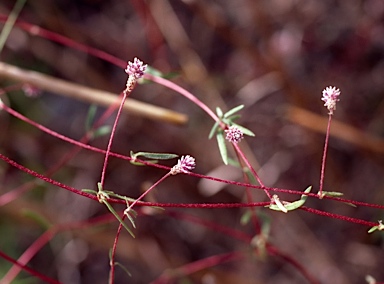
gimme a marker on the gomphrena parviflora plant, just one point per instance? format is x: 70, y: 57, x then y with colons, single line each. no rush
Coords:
x: 182, y: 203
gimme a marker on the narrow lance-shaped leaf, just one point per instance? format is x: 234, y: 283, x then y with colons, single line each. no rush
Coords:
x: 245, y: 131
x: 118, y: 264
x: 246, y: 217
x: 222, y: 147
x: 90, y: 117
x: 110, y: 208
x: 102, y: 130
x: 130, y: 215
x: 157, y: 156
x: 333, y: 193
x: 292, y: 205
x: 38, y: 218
x: 231, y: 119
x: 233, y: 111
x: 374, y: 228
x: 219, y: 112
x: 123, y: 268
x: 213, y: 130
x: 111, y: 193
x: 250, y: 175
x: 379, y: 227
x: 157, y: 73
x: 91, y: 191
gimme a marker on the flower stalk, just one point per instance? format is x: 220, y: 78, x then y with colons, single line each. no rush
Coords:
x: 330, y: 98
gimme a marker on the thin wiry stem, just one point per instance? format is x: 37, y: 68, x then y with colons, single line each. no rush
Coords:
x: 112, y: 260
x: 238, y: 150
x: 324, y: 156
x: 185, y: 93
x: 147, y: 191
x: 111, y: 139
x: 42, y: 277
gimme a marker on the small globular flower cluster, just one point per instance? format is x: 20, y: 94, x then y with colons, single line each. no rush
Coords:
x: 184, y: 165
x: 135, y: 70
x: 234, y: 134
x: 330, y: 97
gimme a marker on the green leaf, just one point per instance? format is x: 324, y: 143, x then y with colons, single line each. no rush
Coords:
x: 110, y: 208
x: 118, y: 264
x: 157, y: 156
x: 111, y: 193
x: 91, y: 191
x: 233, y: 111
x: 141, y: 164
x: 379, y: 227
x: 246, y: 131
x: 222, y: 147
x: 6, y: 30
x: 130, y: 215
x: 219, y: 112
x: 102, y: 130
x: 231, y: 119
x: 158, y: 73
x: 38, y: 218
x: 233, y: 162
x: 250, y: 175
x: 124, y: 268
x: 213, y: 130
x: 90, y: 117
x: 293, y: 205
x: 246, y: 217
x: 110, y: 254
x: 374, y: 228
x: 153, y: 71
x: 332, y: 193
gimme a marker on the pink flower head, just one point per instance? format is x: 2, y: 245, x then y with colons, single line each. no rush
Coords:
x: 184, y: 165
x: 136, y: 69
x: 330, y: 97
x: 234, y: 134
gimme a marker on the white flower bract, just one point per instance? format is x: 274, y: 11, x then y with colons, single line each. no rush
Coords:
x: 330, y: 97
x: 234, y: 134
x: 184, y: 165
x: 136, y: 68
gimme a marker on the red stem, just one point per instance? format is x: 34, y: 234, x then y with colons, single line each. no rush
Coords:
x: 44, y: 239
x: 52, y: 36
x: 185, y: 93
x: 274, y: 251
x: 29, y: 270
x: 148, y: 190
x: 113, y: 253
x: 231, y: 205
x: 254, y: 218
x: 238, y: 150
x: 107, y: 153
x: 337, y: 216
x: 239, y: 235
x: 28, y: 254
x: 324, y: 156
x: 198, y: 266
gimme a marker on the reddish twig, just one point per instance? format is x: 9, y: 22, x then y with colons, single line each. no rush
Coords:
x: 27, y: 269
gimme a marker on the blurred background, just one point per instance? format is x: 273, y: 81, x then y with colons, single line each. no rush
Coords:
x: 275, y: 57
